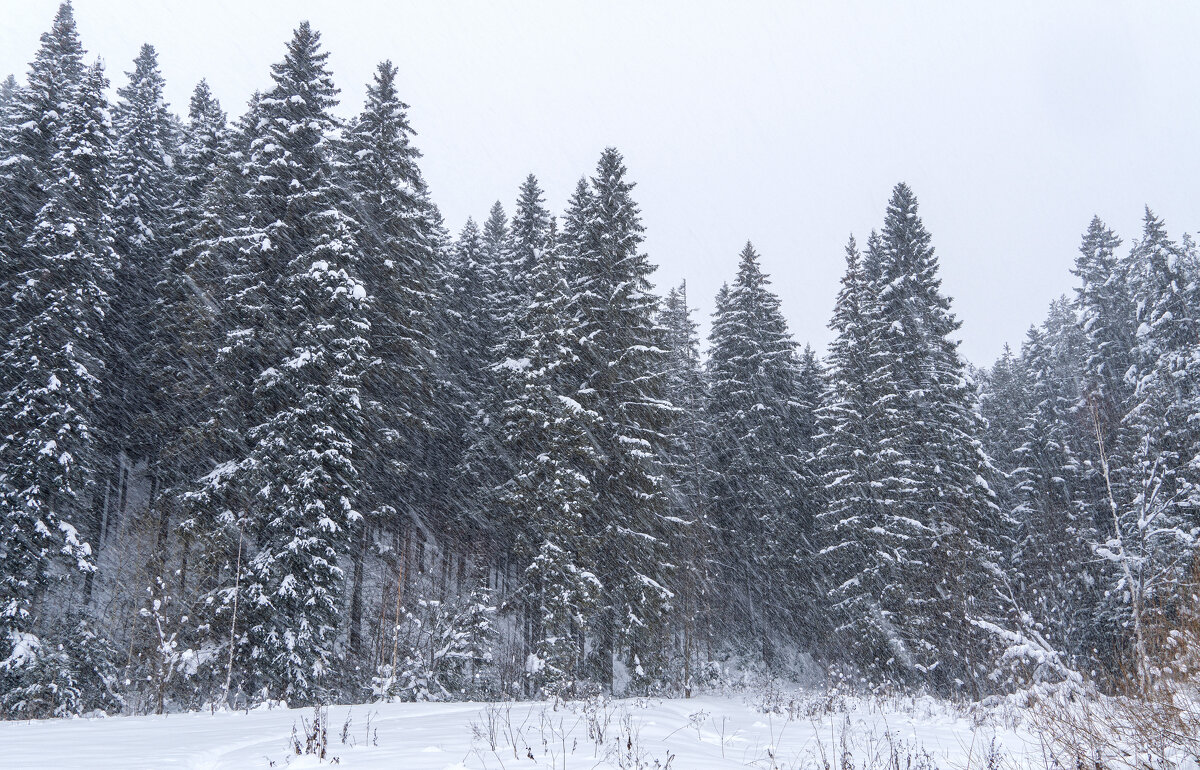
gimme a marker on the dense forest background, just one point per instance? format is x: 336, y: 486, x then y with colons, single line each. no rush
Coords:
x: 268, y: 430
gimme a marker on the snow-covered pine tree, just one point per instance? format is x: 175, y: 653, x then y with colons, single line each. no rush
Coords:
x: 759, y: 447
x: 32, y: 125
x: 810, y: 386
x: 226, y: 277
x: 300, y: 317
x: 938, y: 503
x: 54, y: 358
x: 443, y: 457
x: 1152, y: 521
x: 184, y: 316
x: 1051, y: 560
x: 487, y: 312
x: 399, y: 268
x: 462, y: 343
x: 178, y: 364
x: 851, y: 533
x: 202, y: 334
x: 530, y: 237
x: 37, y: 115
x: 686, y: 389
x: 145, y: 180
x: 1165, y: 371
x: 552, y: 492
x: 146, y: 186
x: 911, y: 530
x: 1002, y: 404
x: 527, y: 357
x: 810, y: 609
x: 618, y: 371
x: 469, y: 325
x: 1107, y: 318
x: 203, y: 145
x: 546, y: 436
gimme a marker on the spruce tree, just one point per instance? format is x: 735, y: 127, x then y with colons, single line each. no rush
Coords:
x: 34, y: 128
x: 145, y: 183
x: 54, y: 358
x: 1107, y: 319
x: 196, y: 307
x: 809, y: 610
x: 300, y: 321
x: 549, y: 495
x: 688, y: 472
x: 399, y: 267
x: 617, y: 371
x: 530, y: 237
x: 32, y: 125
x: 1152, y: 520
x: 759, y: 446
x: 1164, y: 372
x: 851, y: 520
x: 488, y: 330
x: 526, y: 358
x: 1051, y: 558
x: 913, y: 536
x: 146, y: 188
x: 178, y: 364
x: 934, y: 482
x: 1003, y: 407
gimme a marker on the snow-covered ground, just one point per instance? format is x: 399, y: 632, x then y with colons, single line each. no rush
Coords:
x: 696, y: 734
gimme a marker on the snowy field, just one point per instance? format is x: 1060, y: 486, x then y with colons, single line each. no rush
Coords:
x: 696, y: 734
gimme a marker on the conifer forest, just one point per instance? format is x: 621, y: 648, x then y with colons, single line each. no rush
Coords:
x: 272, y: 430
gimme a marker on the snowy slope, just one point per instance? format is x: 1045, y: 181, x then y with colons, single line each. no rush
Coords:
x: 696, y: 734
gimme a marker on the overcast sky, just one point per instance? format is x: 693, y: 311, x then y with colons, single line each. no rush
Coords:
x: 784, y: 123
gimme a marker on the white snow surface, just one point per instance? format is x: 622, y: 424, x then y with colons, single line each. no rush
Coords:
x: 701, y: 733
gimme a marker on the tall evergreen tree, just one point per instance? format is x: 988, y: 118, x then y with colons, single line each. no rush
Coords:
x: 1003, y: 406
x: 1055, y: 526
x: 196, y: 309
x: 1154, y: 518
x: 1107, y: 318
x: 546, y: 434
x: 32, y: 126
x: 852, y: 536
x: 531, y: 323
x: 399, y: 267
x: 688, y: 471
x: 177, y: 362
x: 36, y: 125
x: 54, y: 358
x: 300, y: 318
x: 917, y: 557
x: 145, y: 183
x: 146, y: 188
x: 618, y: 371
x: 934, y: 486
x: 758, y: 487
x: 1164, y: 372
x: 487, y: 306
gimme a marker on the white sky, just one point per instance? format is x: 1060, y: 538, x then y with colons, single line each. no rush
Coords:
x: 786, y: 123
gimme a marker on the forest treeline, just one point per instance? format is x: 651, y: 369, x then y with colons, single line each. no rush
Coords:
x: 268, y: 431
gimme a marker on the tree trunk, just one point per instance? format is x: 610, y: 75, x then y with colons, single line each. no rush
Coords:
x: 356, y: 594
